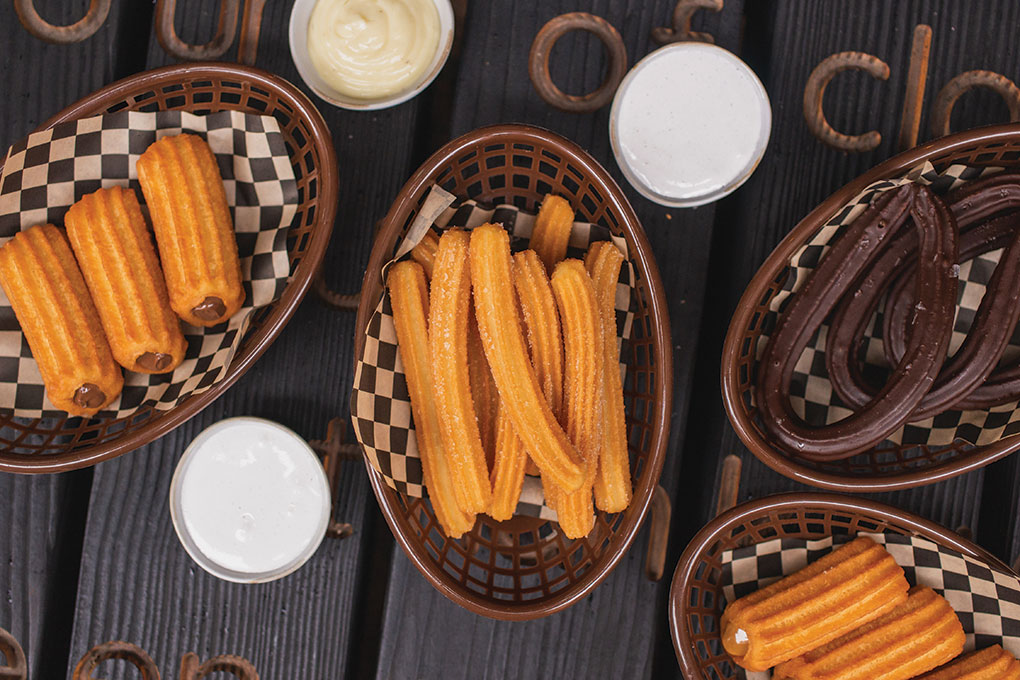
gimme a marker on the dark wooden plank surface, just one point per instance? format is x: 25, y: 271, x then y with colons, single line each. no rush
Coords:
x: 354, y: 611
x: 42, y: 518
x: 137, y: 583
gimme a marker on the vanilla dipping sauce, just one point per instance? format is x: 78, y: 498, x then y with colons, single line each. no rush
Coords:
x: 252, y: 498
x: 372, y: 48
x: 689, y: 124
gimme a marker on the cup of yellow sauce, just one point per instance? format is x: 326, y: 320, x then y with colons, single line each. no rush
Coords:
x: 370, y: 54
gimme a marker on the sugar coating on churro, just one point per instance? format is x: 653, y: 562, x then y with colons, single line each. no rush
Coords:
x: 551, y: 236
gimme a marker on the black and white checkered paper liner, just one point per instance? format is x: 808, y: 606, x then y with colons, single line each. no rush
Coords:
x: 48, y: 171
x: 380, y: 405
x: 986, y: 600
x: 811, y: 394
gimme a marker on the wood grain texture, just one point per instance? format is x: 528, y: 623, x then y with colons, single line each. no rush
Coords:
x: 137, y: 583
x: 612, y: 633
x: 42, y: 518
x: 799, y: 171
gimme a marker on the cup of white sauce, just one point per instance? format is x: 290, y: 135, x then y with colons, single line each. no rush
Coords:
x: 370, y: 54
x: 689, y: 124
x: 249, y: 500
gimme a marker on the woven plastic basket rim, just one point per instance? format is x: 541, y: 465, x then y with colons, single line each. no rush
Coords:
x: 663, y: 392
x: 776, y: 261
x: 166, y: 421
x: 722, y: 525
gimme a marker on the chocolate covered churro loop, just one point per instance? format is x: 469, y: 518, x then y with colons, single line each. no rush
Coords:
x: 993, y: 324
x: 834, y: 276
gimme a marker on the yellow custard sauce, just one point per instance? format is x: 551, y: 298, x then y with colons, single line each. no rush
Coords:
x: 369, y: 49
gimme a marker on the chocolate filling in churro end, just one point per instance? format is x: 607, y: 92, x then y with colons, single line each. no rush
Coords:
x: 89, y: 395
x: 209, y: 309
x: 154, y: 361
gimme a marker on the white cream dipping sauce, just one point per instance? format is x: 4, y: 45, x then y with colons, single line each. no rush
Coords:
x: 372, y: 48
x: 689, y: 124
x: 252, y: 498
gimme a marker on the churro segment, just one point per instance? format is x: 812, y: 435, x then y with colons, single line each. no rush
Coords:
x: 505, y: 349
x: 551, y: 236
x: 508, y: 469
x: 613, y: 489
x: 410, y: 300
x: 194, y: 231
x: 449, y: 317
x: 826, y: 599
x: 115, y: 252
x: 992, y: 663
x: 484, y: 394
x: 583, y: 398
x: 917, y: 636
x: 425, y: 252
x: 49, y: 297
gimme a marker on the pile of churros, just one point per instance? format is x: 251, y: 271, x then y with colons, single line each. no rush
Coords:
x: 512, y: 367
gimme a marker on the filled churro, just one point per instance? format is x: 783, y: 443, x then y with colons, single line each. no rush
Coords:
x: 410, y: 300
x: 115, y: 252
x: 826, y: 599
x: 425, y: 252
x: 552, y: 230
x: 613, y: 488
x: 519, y: 389
x: 917, y: 636
x: 992, y: 663
x: 194, y: 231
x: 583, y: 393
x: 49, y: 297
x: 450, y: 302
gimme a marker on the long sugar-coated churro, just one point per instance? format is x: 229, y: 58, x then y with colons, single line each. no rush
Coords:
x: 194, y: 232
x: 917, y: 636
x: 506, y: 351
x: 552, y: 230
x: 542, y: 324
x: 828, y: 598
x: 991, y: 663
x: 484, y: 394
x: 450, y: 302
x: 410, y: 300
x: 53, y: 306
x: 613, y: 483
x: 583, y: 398
x: 425, y: 252
x: 115, y: 252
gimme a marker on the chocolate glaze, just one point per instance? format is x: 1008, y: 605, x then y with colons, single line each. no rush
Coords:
x: 972, y: 205
x: 210, y: 309
x: 154, y: 361
x: 993, y: 324
x: 89, y: 395
x: 859, y: 246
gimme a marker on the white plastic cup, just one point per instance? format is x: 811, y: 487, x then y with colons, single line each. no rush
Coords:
x: 689, y: 124
x: 249, y: 500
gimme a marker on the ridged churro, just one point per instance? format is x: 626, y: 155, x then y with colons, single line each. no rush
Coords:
x: 49, y: 297
x: 583, y: 393
x: 449, y: 316
x: 507, y: 469
x: 917, y: 636
x: 505, y: 349
x: 613, y: 488
x: 542, y: 325
x: 551, y: 235
x: 194, y: 231
x: 410, y: 300
x: 826, y: 599
x: 484, y: 394
x: 115, y: 252
x: 424, y: 253
x: 992, y: 663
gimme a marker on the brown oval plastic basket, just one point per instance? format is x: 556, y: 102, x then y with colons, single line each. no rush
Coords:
x: 696, y: 598
x: 886, y: 467
x: 524, y: 568
x: 58, y: 444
